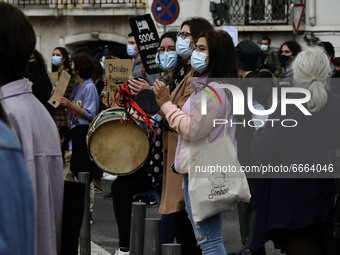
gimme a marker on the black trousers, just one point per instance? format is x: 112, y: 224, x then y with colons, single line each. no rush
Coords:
x: 316, y: 239
x: 123, y: 189
x: 73, y: 212
x: 80, y: 161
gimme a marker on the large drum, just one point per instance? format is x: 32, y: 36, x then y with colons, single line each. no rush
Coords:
x: 117, y: 148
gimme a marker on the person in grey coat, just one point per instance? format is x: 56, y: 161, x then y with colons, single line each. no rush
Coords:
x: 34, y: 127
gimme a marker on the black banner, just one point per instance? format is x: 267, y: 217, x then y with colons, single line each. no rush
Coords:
x: 146, y: 36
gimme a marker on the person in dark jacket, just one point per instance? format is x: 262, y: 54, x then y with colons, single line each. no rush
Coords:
x: 249, y: 60
x: 37, y: 74
x: 295, y: 208
x: 335, y: 81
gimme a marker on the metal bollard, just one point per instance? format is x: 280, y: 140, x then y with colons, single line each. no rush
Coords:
x: 85, y: 231
x: 171, y: 249
x: 152, y: 236
x: 137, y: 228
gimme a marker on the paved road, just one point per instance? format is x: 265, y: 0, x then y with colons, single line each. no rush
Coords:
x: 104, y: 231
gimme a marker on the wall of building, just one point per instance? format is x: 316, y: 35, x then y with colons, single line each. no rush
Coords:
x: 111, y: 24
x: 73, y: 27
x: 326, y: 27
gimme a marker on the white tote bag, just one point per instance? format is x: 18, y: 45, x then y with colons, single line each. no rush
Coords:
x: 215, y: 181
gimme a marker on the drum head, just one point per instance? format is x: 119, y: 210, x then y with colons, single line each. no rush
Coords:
x: 119, y: 148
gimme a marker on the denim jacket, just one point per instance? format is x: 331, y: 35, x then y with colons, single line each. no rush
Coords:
x: 17, y: 218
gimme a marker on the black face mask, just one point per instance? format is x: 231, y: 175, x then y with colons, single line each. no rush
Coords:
x: 285, y: 60
x: 32, y: 67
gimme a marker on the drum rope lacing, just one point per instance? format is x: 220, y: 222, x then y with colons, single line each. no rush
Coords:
x: 125, y: 99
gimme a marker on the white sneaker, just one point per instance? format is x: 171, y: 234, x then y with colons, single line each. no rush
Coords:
x: 109, y: 177
x: 119, y: 252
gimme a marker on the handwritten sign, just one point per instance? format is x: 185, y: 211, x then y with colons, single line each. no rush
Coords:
x: 53, y: 77
x: 60, y: 89
x: 117, y: 71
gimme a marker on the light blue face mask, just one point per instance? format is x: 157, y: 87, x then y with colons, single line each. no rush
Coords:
x: 198, y: 61
x: 56, y: 60
x: 130, y: 50
x: 183, y: 47
x: 264, y: 47
x: 167, y: 61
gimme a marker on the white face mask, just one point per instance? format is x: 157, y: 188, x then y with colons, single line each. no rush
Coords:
x: 198, y: 61
x: 130, y: 50
x: 183, y: 47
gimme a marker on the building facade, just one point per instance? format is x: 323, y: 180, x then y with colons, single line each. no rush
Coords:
x: 91, y: 23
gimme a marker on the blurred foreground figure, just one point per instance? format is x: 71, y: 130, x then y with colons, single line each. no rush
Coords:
x: 296, y: 210
x: 34, y: 127
x: 16, y: 197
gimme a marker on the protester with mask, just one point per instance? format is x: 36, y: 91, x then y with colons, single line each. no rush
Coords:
x: 166, y: 57
x: 214, y: 57
x: 124, y: 188
x: 248, y: 60
x: 272, y: 57
x: 172, y: 193
x: 172, y: 201
x: 288, y: 51
x: 143, y: 179
x: 172, y: 64
x: 41, y: 83
x: 167, y: 60
x: 82, y: 110
x: 60, y: 60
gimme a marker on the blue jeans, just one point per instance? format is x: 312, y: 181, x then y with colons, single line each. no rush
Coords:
x: 209, y: 231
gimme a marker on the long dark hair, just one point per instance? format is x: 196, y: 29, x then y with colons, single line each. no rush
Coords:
x: 65, y: 56
x: 17, y: 42
x: 40, y: 66
x: 329, y: 48
x: 222, y: 55
x: 197, y: 25
x: 293, y: 46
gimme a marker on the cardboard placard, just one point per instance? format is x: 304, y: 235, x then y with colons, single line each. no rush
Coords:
x: 104, y: 97
x: 53, y: 77
x: 110, y: 98
x: 60, y: 89
x: 146, y: 36
x: 117, y: 71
